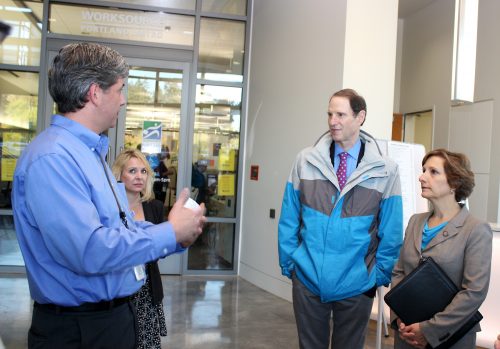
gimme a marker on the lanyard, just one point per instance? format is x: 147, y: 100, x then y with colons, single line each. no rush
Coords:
x: 123, y: 216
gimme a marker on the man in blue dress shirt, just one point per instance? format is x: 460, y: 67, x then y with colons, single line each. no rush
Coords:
x: 84, y: 253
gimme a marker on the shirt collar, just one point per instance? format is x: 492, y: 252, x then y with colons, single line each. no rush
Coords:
x: 95, y: 142
x: 353, y: 152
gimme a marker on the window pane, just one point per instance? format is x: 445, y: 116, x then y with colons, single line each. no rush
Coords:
x: 22, y: 46
x: 154, y: 104
x: 10, y: 254
x: 175, y: 4
x: 214, y: 249
x: 232, y: 7
x: 157, y: 27
x: 18, y: 110
x: 221, y: 50
x: 216, y: 149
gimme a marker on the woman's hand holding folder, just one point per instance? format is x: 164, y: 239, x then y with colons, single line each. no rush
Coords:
x: 412, y: 335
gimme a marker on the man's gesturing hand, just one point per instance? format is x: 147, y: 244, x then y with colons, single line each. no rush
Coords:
x: 187, y: 222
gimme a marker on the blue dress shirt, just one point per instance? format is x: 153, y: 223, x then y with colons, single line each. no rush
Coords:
x: 352, y: 158
x: 75, y: 246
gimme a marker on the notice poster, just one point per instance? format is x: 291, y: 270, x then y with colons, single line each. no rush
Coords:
x: 151, y: 137
x: 227, y: 159
x: 225, y: 185
x: 8, y: 166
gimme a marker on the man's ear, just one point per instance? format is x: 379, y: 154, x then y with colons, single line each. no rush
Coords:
x: 361, y: 115
x: 93, y: 94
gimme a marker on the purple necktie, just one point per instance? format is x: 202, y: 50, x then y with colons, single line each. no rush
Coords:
x: 342, y: 170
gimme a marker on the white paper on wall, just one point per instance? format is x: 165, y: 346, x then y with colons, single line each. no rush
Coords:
x: 409, y: 157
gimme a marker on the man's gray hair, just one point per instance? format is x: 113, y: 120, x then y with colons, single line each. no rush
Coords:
x: 77, y: 67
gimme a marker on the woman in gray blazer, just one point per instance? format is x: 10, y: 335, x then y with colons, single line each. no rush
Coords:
x: 460, y: 243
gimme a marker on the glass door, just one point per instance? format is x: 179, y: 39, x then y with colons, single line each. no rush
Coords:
x: 214, y: 176
x: 155, y: 122
x: 18, y: 110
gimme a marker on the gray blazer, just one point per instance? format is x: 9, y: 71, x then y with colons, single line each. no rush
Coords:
x: 463, y: 250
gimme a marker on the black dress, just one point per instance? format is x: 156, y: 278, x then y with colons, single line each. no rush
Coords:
x: 148, y: 300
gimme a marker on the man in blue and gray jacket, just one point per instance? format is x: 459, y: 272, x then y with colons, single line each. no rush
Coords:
x: 340, y: 229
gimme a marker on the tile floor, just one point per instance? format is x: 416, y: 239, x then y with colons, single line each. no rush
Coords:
x: 202, y: 312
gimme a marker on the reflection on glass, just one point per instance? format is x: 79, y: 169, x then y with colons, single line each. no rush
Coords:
x: 152, y: 124
x: 174, y: 4
x: 214, y: 249
x: 222, y: 50
x: 231, y: 7
x: 10, y: 254
x: 22, y: 46
x: 157, y: 27
x: 216, y: 149
x: 18, y: 109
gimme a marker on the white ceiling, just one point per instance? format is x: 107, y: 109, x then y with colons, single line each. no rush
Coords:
x: 408, y: 7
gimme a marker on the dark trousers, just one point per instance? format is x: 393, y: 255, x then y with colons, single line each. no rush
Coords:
x: 107, y: 329
x: 350, y: 319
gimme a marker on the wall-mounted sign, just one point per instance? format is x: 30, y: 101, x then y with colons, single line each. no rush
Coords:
x: 124, y: 24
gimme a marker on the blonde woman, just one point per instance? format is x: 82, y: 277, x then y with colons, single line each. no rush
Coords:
x: 133, y: 170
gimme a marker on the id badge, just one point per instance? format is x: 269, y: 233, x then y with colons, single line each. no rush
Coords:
x: 140, y: 272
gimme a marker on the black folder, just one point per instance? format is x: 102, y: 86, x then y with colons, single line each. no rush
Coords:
x: 425, y: 291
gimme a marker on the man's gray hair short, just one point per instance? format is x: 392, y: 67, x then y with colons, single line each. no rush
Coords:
x: 77, y: 67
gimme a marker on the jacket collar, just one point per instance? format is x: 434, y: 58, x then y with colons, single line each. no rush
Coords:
x: 451, y: 229
x: 319, y: 156
x: 321, y: 150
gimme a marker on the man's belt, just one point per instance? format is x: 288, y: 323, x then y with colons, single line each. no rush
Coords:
x: 85, y: 307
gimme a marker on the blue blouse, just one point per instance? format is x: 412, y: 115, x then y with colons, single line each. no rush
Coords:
x: 429, y: 233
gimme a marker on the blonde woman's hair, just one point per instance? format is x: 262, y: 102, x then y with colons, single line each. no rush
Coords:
x: 147, y: 194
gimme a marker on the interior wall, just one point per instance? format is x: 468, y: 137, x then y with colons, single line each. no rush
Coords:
x: 369, y: 62
x: 470, y: 133
x: 399, y: 62
x: 426, y: 76
x: 294, y: 69
x: 425, y: 82
x: 423, y: 130
x: 427, y: 64
x: 409, y: 130
x: 296, y: 64
x: 488, y: 88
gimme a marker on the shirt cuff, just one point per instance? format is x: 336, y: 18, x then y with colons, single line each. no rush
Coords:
x: 164, y: 239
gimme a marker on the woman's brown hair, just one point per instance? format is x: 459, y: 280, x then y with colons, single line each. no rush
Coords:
x: 458, y: 172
